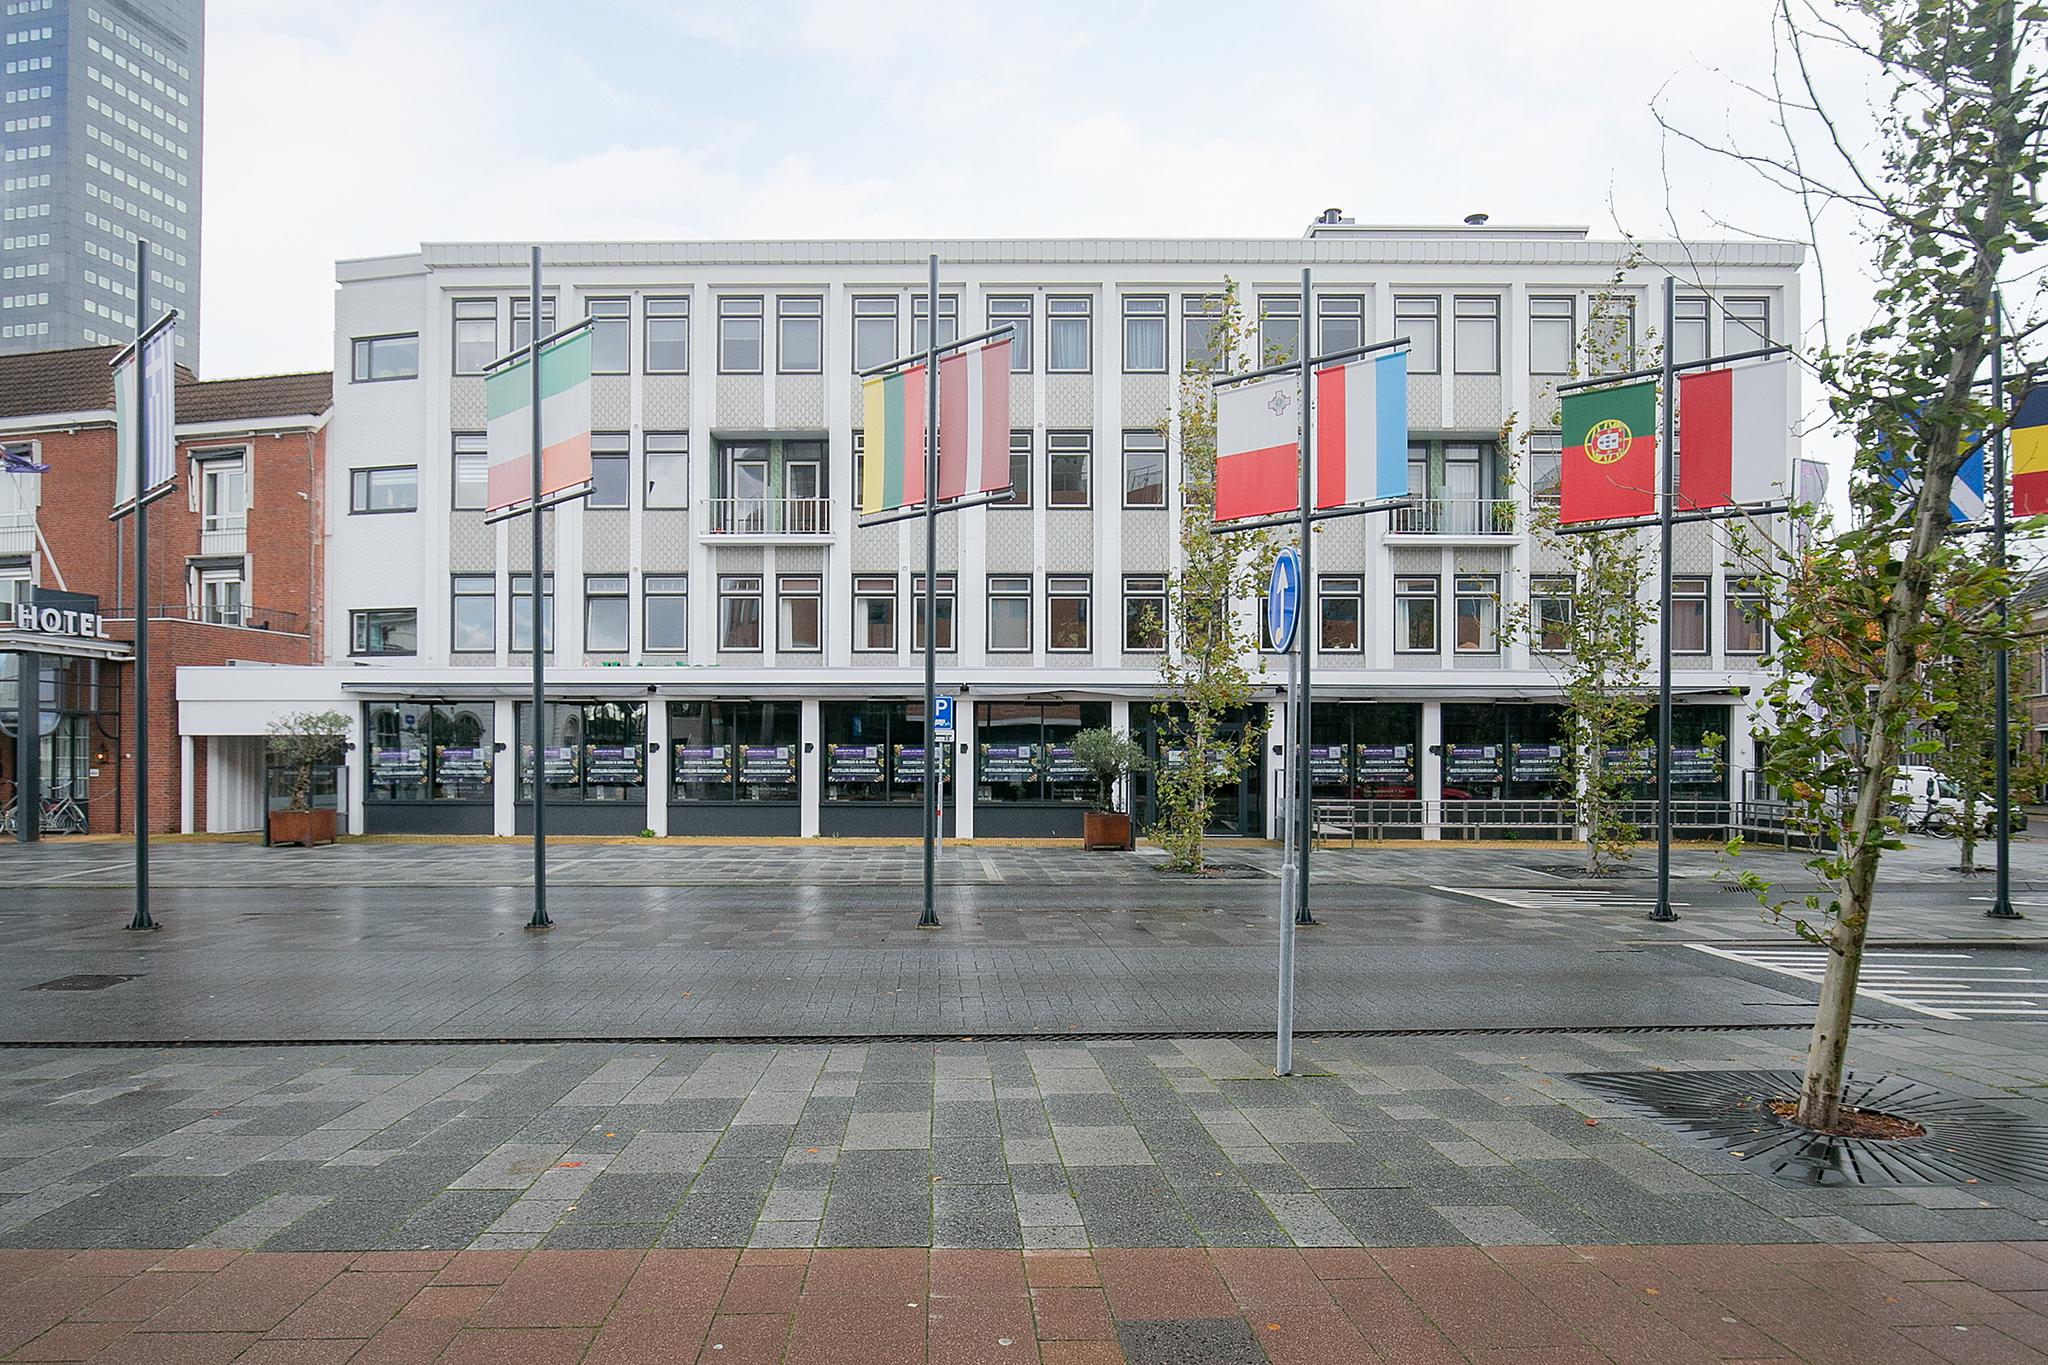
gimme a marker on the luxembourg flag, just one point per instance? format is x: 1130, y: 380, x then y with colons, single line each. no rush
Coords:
x: 1362, y: 430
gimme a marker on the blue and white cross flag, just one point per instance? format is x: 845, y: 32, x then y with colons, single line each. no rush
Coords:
x: 1965, y: 496
x: 157, y: 428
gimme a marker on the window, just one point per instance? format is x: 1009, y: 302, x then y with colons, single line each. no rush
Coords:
x: 1340, y: 323
x: 1611, y: 335
x: 611, y: 478
x: 668, y: 335
x: 799, y: 613
x: 522, y: 320
x: 476, y: 334
x: 223, y: 491
x: 522, y: 613
x: 1066, y: 468
x: 667, y: 458
x: 735, y: 751
x: 1009, y: 614
x: 1688, y: 329
x: 1145, y: 613
x: 1066, y: 614
x: 1477, y: 607
x: 1279, y: 328
x: 431, y: 751
x: 1553, y: 325
x: 396, y: 489
x: 1416, y: 318
x: 1475, y: 335
x: 1025, y: 751
x: 943, y: 636
x: 1069, y: 333
x: 1550, y: 606
x: 471, y: 469
x: 607, y: 612
x: 593, y: 752
x: 739, y: 611
x: 473, y: 613
x: 392, y: 357
x: 1742, y: 623
x: 1747, y: 326
x: 800, y: 335
x: 1144, y: 469
x: 1020, y: 470
x: 875, y: 751
x: 949, y: 321
x: 739, y: 336
x: 874, y: 331
x: 1201, y: 327
x: 389, y: 630
x: 1014, y: 309
x: 221, y: 596
x: 1688, y: 616
x: 665, y: 612
x: 874, y: 613
x: 1415, y: 615
x: 1144, y: 334
x: 1546, y: 467
x: 611, y: 334
x: 1342, y: 608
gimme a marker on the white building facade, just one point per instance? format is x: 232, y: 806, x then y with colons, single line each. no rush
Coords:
x: 733, y: 655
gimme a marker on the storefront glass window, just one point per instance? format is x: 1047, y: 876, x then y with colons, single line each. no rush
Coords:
x: 874, y: 751
x: 431, y: 751
x: 734, y: 750
x: 595, y: 751
x: 1024, y: 751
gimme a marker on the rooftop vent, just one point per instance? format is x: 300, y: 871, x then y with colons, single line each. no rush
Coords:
x: 1475, y: 220
x: 1333, y: 217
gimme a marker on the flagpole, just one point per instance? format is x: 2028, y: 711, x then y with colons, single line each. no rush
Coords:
x: 1663, y: 914
x: 1305, y: 778
x: 540, y: 918
x: 140, y: 423
x: 2001, y: 901
x: 930, y: 918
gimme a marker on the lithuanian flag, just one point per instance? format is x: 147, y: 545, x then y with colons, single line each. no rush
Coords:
x: 892, y: 426
x: 1610, y: 454
x: 2030, y: 454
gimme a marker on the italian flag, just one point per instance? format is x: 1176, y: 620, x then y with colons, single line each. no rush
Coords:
x: 1610, y: 454
x: 974, y: 430
x: 2030, y: 454
x: 564, y: 424
x: 1733, y: 426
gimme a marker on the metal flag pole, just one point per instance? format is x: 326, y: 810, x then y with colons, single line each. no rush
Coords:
x: 1666, y: 497
x: 930, y: 918
x: 139, y: 423
x: 1305, y: 621
x: 540, y: 918
x: 2001, y: 900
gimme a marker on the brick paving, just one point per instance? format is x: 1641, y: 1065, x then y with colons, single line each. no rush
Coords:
x: 1906, y: 1304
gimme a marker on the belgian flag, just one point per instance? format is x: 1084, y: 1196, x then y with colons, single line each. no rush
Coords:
x: 2030, y: 454
x: 1610, y: 454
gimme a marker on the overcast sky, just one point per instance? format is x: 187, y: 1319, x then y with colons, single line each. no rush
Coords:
x: 335, y: 131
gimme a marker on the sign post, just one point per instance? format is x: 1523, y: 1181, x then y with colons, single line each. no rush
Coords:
x: 1283, y: 612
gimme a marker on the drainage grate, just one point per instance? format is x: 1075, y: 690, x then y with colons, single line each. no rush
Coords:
x: 1967, y: 1141
x: 81, y: 983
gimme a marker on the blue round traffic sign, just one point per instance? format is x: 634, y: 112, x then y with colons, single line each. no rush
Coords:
x: 1283, y: 598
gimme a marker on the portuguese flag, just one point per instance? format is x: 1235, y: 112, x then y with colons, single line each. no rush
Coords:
x: 1610, y: 453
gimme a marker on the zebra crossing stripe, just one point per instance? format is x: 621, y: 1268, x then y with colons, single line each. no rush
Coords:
x: 1942, y: 985
x: 1544, y: 898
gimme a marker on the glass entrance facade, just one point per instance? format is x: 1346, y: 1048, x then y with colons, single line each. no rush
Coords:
x: 874, y: 768
x: 735, y: 767
x: 429, y: 767
x: 1026, y: 783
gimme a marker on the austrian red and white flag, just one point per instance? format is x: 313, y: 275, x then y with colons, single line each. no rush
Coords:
x: 1258, y: 448
x: 974, y: 421
x: 1734, y: 436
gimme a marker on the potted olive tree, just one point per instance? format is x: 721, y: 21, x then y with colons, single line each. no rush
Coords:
x: 1110, y: 756
x: 298, y: 743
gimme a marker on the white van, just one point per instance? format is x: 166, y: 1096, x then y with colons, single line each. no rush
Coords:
x: 1933, y: 804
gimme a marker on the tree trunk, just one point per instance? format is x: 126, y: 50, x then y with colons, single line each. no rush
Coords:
x: 1967, y: 835
x: 1820, y: 1091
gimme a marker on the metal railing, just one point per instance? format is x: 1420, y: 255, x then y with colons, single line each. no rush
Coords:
x: 241, y: 615
x: 17, y: 533
x: 1456, y: 517
x: 224, y: 536
x: 771, y: 516
x: 1374, y: 820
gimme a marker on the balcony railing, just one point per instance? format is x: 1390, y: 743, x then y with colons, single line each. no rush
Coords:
x: 224, y: 536
x: 1456, y: 517
x: 17, y: 533
x: 240, y: 615
x: 771, y: 516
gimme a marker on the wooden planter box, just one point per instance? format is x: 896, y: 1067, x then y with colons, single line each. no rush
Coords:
x: 302, y: 827
x: 1105, y: 829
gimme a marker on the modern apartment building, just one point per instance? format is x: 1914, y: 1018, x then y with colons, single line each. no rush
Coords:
x: 729, y: 652
x: 100, y: 117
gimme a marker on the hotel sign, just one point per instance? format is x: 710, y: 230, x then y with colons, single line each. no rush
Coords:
x: 75, y: 615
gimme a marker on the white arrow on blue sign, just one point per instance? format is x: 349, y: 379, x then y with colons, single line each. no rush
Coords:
x: 1283, y: 598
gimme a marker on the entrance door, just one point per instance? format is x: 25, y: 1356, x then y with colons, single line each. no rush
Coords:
x: 1461, y: 495
x: 1237, y: 807
x: 749, y: 494
x: 801, y: 491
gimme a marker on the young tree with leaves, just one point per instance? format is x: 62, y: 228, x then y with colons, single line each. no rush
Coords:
x: 1950, y: 197
x: 1209, y: 666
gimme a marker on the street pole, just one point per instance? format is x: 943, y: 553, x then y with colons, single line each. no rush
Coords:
x: 2001, y: 900
x: 1304, y: 629
x: 1291, y: 869
x: 1666, y: 496
x: 540, y: 918
x: 930, y: 918
x: 28, y: 743
x: 140, y: 424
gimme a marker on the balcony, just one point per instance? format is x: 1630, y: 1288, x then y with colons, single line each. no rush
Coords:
x: 771, y: 518
x: 1463, y: 517
x: 240, y: 615
x: 223, y: 536
x: 17, y: 533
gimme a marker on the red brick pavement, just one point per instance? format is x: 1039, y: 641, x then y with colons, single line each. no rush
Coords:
x: 1937, y: 1304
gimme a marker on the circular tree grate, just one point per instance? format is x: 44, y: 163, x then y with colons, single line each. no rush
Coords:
x: 1967, y: 1141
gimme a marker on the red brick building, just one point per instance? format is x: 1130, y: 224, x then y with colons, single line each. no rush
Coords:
x: 235, y: 571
